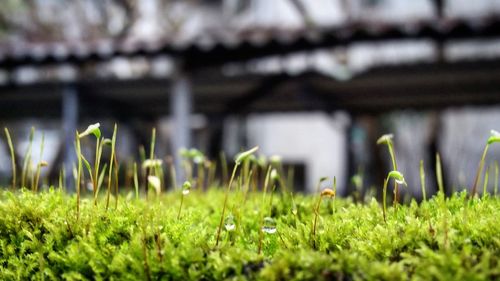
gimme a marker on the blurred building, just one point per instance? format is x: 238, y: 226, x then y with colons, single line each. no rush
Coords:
x: 234, y: 73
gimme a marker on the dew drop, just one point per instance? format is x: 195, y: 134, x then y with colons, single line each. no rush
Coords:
x: 229, y: 223
x: 186, y: 187
x: 269, y: 226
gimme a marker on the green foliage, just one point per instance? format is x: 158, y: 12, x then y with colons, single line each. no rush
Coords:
x: 288, y: 236
x: 40, y: 239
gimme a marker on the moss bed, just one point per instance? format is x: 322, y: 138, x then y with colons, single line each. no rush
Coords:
x: 142, y: 239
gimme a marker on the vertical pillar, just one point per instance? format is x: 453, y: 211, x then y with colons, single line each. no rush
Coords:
x: 180, y: 110
x: 69, y: 124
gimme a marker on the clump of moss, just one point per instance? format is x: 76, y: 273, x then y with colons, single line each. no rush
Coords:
x: 53, y: 235
x: 40, y: 238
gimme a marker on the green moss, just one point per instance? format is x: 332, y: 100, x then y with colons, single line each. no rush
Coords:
x: 41, y: 239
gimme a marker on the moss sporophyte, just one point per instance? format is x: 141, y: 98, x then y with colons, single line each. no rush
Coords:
x: 325, y: 193
x: 399, y: 179
x: 494, y: 137
x: 387, y: 140
x: 186, y: 188
x: 238, y: 160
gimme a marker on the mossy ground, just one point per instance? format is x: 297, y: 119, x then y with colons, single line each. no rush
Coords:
x: 139, y: 239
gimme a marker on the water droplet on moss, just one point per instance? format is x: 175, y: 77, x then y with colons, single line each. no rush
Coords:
x: 269, y: 226
x: 229, y: 224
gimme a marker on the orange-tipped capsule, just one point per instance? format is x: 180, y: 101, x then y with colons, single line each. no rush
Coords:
x: 328, y: 192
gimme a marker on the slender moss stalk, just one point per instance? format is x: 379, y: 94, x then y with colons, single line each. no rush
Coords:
x: 27, y: 158
x: 136, y: 181
x: 495, y: 189
x: 39, y: 166
x: 94, y: 174
x: 101, y: 178
x: 275, y: 178
x: 387, y: 140
x: 111, y: 162
x: 12, y: 157
x: 327, y: 192
x: 477, y: 179
x: 486, y: 180
x: 153, y: 141
x: 399, y: 178
x: 142, y: 157
x: 61, y: 179
x: 422, y: 180
x: 247, y: 187
x: 439, y: 174
x: 384, y: 199
x: 266, y: 183
x: 224, y: 204
x: 151, y: 156
x: 494, y: 137
x: 223, y: 162
x: 78, y: 175
x: 116, y: 169
x: 186, y: 187
x: 239, y: 159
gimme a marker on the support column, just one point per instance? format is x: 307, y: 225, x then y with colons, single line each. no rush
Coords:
x: 180, y: 110
x: 69, y: 125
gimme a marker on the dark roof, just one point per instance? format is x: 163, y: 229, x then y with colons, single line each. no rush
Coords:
x: 247, y: 45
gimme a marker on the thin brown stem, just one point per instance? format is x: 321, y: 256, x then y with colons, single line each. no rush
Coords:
x: 479, y: 172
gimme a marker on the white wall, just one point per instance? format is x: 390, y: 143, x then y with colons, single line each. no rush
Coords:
x: 316, y: 139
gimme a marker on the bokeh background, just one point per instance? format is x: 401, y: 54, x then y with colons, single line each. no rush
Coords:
x: 316, y: 82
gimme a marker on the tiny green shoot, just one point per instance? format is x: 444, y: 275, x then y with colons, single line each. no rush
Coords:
x: 111, y: 162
